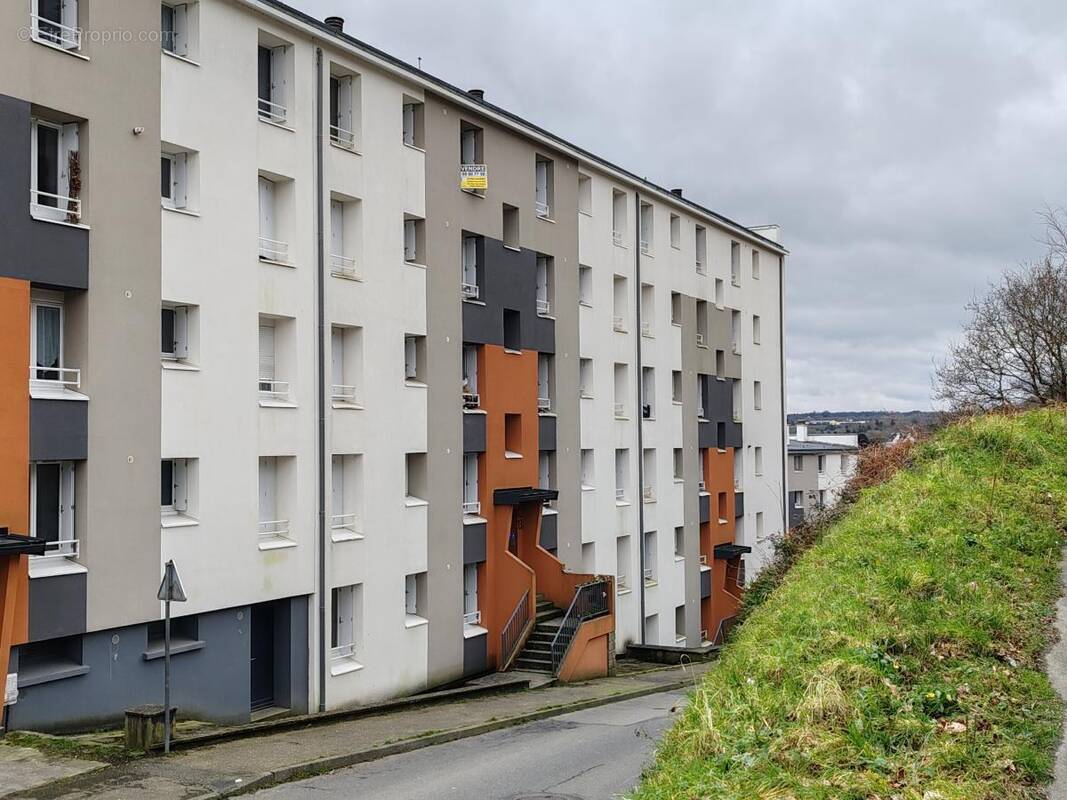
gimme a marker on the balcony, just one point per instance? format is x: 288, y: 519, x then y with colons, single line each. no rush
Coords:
x: 273, y: 250
x: 346, y: 395
x: 342, y: 138
x: 616, y: 237
x: 274, y: 534
x: 544, y: 404
x: 274, y: 391
x: 471, y: 400
x: 472, y: 618
x: 472, y: 508
x: 646, y: 330
x: 55, y: 207
x: 619, y: 324
x: 542, y: 209
x: 56, y: 378
x: 620, y: 411
x: 544, y: 308
x: 272, y: 112
x: 55, y: 34
x: 700, y: 340
x: 700, y: 267
x: 648, y: 494
x: 345, y: 527
x: 469, y: 291
x: 340, y: 266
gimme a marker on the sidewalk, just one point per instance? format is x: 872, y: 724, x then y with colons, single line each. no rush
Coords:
x: 1056, y: 664
x: 237, y: 766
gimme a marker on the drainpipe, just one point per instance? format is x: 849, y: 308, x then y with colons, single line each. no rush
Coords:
x: 321, y: 312
x: 640, y: 424
x: 785, y: 419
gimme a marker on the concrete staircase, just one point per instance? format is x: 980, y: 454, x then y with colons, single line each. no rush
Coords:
x: 536, y: 654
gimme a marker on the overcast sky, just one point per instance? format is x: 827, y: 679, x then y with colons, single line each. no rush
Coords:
x: 903, y: 147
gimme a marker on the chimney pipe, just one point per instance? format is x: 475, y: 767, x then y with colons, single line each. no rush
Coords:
x: 335, y: 23
x: 477, y: 94
x: 676, y: 192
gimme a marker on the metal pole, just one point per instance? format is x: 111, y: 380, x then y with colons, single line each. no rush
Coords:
x: 320, y: 310
x: 166, y: 676
x: 640, y: 420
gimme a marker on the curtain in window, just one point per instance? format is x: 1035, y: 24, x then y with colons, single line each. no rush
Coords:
x: 48, y: 341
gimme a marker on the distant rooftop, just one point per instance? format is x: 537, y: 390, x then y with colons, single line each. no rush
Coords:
x: 799, y: 447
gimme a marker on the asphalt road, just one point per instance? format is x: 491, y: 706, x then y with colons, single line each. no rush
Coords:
x: 597, y: 754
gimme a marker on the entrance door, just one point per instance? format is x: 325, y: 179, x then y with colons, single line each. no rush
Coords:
x: 262, y: 657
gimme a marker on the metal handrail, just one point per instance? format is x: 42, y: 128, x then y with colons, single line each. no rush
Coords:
x: 272, y: 112
x: 590, y: 601
x: 469, y: 291
x: 345, y: 138
x: 472, y: 507
x: 273, y: 249
x: 73, y: 209
x: 343, y: 651
x: 701, y: 485
x: 616, y: 237
x: 720, y: 634
x: 279, y: 390
x: 65, y: 36
x: 342, y: 393
x: 646, y: 329
x: 63, y: 548
x: 700, y: 340
x: 648, y: 493
x: 544, y: 403
x: 544, y: 308
x: 472, y: 618
x: 644, y: 246
x: 620, y: 494
x: 700, y: 266
x: 344, y: 522
x: 621, y: 584
x: 704, y: 559
x: 470, y: 400
x: 274, y: 529
x: 341, y: 265
x: 541, y: 208
x: 75, y: 380
x: 511, y: 634
x: 619, y: 324
x: 620, y: 411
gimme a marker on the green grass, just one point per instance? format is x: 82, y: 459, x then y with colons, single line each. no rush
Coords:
x: 901, y: 658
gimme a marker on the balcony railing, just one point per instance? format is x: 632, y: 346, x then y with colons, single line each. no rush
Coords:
x: 274, y: 390
x: 620, y: 494
x: 51, y: 32
x: 700, y: 267
x: 51, y: 206
x: 343, y: 651
x: 344, y: 522
x: 64, y: 377
x: 340, y: 136
x: 622, y: 584
x: 341, y: 266
x: 273, y: 529
x: 646, y: 329
x: 511, y: 634
x: 542, y: 209
x: 273, y: 250
x: 619, y: 324
x: 648, y: 493
x: 472, y: 618
x: 620, y: 411
x: 700, y: 340
x: 700, y: 485
x: 544, y: 308
x: 469, y: 291
x: 272, y: 112
x: 704, y: 559
x: 544, y: 403
x: 650, y: 575
x: 341, y: 393
x: 470, y: 400
x: 472, y: 507
x: 645, y: 247
x: 616, y: 237
x: 591, y: 600
x: 63, y: 548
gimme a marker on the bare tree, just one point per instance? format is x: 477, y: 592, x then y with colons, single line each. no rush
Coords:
x: 1014, y: 347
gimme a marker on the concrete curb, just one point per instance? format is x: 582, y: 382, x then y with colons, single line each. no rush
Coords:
x: 314, y: 767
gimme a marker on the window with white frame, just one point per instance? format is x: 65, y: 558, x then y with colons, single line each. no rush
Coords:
x: 344, y: 220
x: 701, y: 249
x: 648, y: 474
x: 735, y: 263
x: 415, y: 359
x: 52, y: 506
x: 413, y: 239
x: 55, y: 23
x: 676, y: 386
x: 174, y: 333
x: 267, y: 382
x: 755, y: 264
x: 173, y: 171
x: 648, y: 310
x: 755, y: 329
x: 623, y: 579
x: 272, y: 246
x: 757, y: 461
x: 620, y: 306
x: 272, y: 81
x: 618, y: 217
x: 646, y: 227
x: 676, y: 231
x: 676, y: 308
x: 346, y: 366
x: 412, y: 121
x: 720, y: 292
x: 798, y: 463
x: 177, y: 21
x: 757, y: 395
x: 471, y: 505
x: 473, y: 248
x: 346, y: 478
x: 585, y: 194
x: 648, y: 392
x: 622, y: 473
x: 470, y: 144
x: 622, y: 380
x: 759, y: 525
x: 585, y: 377
x: 345, y: 633
x: 545, y: 393
x: 55, y: 171
x: 796, y: 499
x: 510, y: 221
x: 415, y: 480
x: 173, y: 486
x: 821, y: 462
x: 679, y: 474
x: 545, y: 470
x: 543, y: 279
x: 471, y: 613
x: 470, y: 376
x: 344, y: 109
x: 679, y: 542
x: 414, y: 596
x: 269, y: 524
x: 588, y: 476
x: 543, y: 178
x: 585, y: 286
x: 46, y: 341
x: 651, y: 573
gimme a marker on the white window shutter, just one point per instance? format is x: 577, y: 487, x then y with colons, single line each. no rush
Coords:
x: 181, y: 30
x: 337, y: 222
x: 181, y: 332
x: 266, y: 352
x: 278, y: 83
x: 542, y: 181
x: 266, y: 208
x: 409, y: 123
x: 409, y: 240
x: 68, y: 14
x: 344, y: 102
x: 467, y: 148
x: 337, y: 353
x: 66, y: 502
x: 410, y: 367
x: 337, y: 485
x: 179, y: 180
x: 181, y: 485
x: 68, y: 143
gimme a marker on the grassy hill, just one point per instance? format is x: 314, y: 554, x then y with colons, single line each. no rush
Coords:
x: 902, y: 656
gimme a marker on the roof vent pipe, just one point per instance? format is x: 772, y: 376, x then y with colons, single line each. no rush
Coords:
x: 335, y: 23
x: 676, y: 192
x: 477, y: 94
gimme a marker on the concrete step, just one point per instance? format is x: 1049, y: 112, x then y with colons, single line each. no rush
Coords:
x: 533, y: 666
x: 552, y: 613
x: 537, y: 647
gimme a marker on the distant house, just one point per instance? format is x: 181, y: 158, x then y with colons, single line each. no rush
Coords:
x: 819, y: 467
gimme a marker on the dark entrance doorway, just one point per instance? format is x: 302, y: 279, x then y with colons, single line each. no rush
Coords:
x: 262, y: 656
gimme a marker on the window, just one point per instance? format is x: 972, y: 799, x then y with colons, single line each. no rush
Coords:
x: 755, y: 329
x: 679, y: 542
x: 470, y: 484
x: 55, y: 171
x: 648, y: 474
x: 621, y: 381
x: 622, y: 565
x: 587, y: 469
x: 585, y: 194
x: 679, y: 625
x: 648, y: 392
x: 821, y: 460
x: 703, y: 394
x: 347, y: 621
x: 618, y: 217
x: 344, y: 237
x: 415, y: 359
x: 470, y: 376
x: 414, y: 239
x: 344, y: 109
x: 415, y: 598
x: 513, y: 436
x: 651, y: 573
x: 622, y: 474
x: 759, y: 525
x: 702, y: 323
x: 679, y: 474
x: 271, y: 390
x: 46, y: 341
x: 471, y: 613
x: 55, y: 22
x: 346, y: 497
x: 415, y: 487
x: 544, y: 270
x: 755, y: 264
x: 543, y: 179
x: 757, y: 395
x: 511, y: 226
x: 173, y: 485
x: 702, y: 250
x: 796, y: 499
x: 52, y: 506
x: 822, y: 498
x: 676, y: 308
x: 757, y: 464
x: 735, y: 263
x: 720, y: 293
x: 272, y: 68
x: 721, y: 508
x: 720, y: 364
x: 413, y: 114
x: 472, y: 256
x: 38, y: 660
x: 735, y: 331
x: 172, y: 180
x: 585, y: 377
x: 648, y: 310
x: 183, y: 631
x: 585, y: 286
x: 274, y: 472
x: 676, y: 386
x: 646, y: 228
x: 676, y: 231
x: 174, y: 330
x: 798, y: 463
x: 512, y: 330
x: 546, y: 469
x: 346, y: 366
x: 470, y: 144
x: 177, y: 23
x: 545, y: 391
x: 618, y: 285
x: 272, y: 247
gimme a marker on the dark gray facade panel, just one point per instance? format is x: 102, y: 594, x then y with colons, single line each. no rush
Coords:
x: 796, y: 516
x: 546, y: 432
x: 291, y: 654
x: 474, y: 433
x: 705, y: 508
x: 739, y: 505
x: 705, y: 583
x: 42, y: 252
x: 57, y: 606
x: 474, y: 655
x: 59, y: 430
x: 509, y: 281
x: 706, y: 434
x: 549, y: 538
x: 473, y: 543
x: 211, y: 683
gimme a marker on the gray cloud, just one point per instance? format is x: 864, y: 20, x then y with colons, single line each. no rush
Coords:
x: 904, y: 147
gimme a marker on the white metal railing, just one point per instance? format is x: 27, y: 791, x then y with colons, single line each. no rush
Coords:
x: 646, y: 329
x: 274, y: 529
x: 700, y: 266
x: 472, y: 507
x: 37, y: 208
x: 622, y: 583
x: 700, y: 340
x: 648, y: 494
x: 470, y: 400
x: 469, y: 291
x: 700, y: 412
x: 644, y: 246
x: 272, y: 112
x: 650, y: 574
x: 277, y: 390
x: 343, y: 651
x: 273, y: 250
x: 735, y: 278
x: 704, y: 635
x: 620, y: 411
x: 341, y: 266
x: 700, y: 485
x: 339, y: 135
x: 472, y: 618
x: 52, y: 32
x: 737, y: 484
x: 349, y: 522
x: 620, y: 494
x: 616, y: 236
x: 737, y: 416
x: 544, y: 403
x: 619, y: 324
x: 543, y: 307
x: 63, y: 548
x: 703, y: 559
x: 56, y: 376
x: 542, y: 208
x: 343, y: 393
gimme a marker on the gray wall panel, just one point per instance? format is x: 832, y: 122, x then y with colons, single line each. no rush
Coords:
x: 59, y: 430
x: 473, y: 543
x: 57, y: 606
x: 473, y: 433
x: 546, y: 432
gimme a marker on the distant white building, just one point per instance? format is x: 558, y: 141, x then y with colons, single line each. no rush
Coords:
x: 820, y: 467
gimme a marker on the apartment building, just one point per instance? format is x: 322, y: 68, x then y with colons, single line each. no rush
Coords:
x: 406, y: 428
x: 820, y: 466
